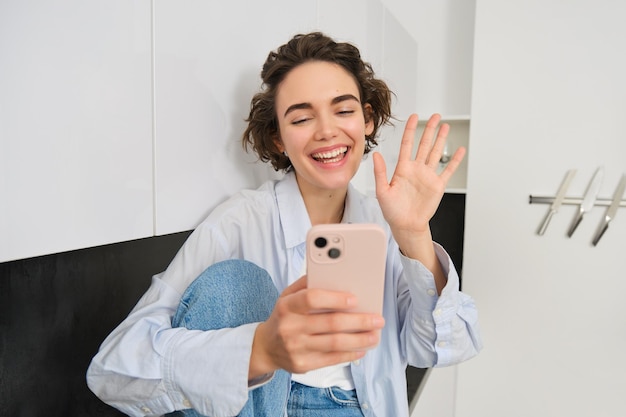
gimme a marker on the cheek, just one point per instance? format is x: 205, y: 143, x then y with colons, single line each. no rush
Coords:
x: 358, y: 132
x: 293, y: 139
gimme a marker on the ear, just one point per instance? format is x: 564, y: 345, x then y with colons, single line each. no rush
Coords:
x: 279, y: 144
x: 368, y: 113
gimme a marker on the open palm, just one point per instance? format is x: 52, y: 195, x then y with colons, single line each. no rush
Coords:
x: 412, y: 196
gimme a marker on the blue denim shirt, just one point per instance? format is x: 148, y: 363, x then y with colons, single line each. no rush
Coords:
x: 146, y: 367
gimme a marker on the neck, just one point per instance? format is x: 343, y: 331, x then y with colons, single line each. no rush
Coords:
x: 323, y: 205
x: 326, y: 207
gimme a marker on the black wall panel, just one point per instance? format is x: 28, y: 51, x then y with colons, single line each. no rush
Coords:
x: 56, y: 310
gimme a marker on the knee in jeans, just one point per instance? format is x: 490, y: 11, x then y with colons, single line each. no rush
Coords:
x: 227, y: 294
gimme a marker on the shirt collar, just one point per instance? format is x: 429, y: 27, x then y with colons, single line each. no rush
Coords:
x: 294, y: 218
x: 353, y: 212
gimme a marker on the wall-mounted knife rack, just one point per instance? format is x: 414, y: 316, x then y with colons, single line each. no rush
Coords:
x: 571, y: 201
x: 585, y: 203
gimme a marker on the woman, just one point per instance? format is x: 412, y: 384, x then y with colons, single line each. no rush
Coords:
x: 228, y: 328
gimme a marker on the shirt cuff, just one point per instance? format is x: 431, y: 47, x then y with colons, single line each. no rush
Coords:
x: 210, y: 369
x: 259, y: 381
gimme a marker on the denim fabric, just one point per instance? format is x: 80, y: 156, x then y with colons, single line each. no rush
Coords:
x: 306, y: 401
x: 229, y: 294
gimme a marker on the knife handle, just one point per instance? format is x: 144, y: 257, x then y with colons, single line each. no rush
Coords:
x: 544, y: 224
x: 605, y: 225
x: 575, y: 224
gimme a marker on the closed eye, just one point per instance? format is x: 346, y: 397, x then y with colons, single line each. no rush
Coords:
x: 300, y: 121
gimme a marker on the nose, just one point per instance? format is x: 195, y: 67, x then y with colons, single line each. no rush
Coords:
x: 326, y: 127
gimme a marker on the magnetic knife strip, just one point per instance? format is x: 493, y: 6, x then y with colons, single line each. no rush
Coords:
x: 585, y: 203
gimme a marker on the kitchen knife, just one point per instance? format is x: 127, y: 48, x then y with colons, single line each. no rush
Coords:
x: 612, y: 210
x: 558, y: 200
x: 588, y: 199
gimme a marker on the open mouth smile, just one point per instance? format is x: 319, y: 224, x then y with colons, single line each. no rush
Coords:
x: 329, y: 157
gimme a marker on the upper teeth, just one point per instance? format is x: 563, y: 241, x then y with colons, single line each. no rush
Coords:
x: 331, y: 154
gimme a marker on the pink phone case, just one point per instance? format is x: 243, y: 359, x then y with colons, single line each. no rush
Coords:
x: 351, y: 258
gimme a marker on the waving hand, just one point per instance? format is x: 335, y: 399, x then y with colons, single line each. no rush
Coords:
x: 412, y: 196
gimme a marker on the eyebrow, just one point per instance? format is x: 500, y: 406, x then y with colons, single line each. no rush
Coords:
x: 335, y: 100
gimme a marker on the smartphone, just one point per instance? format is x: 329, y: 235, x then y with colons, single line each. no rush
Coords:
x: 351, y: 258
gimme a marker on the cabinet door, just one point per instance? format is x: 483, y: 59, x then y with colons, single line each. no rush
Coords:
x: 75, y: 125
x: 207, y: 67
x: 548, y: 96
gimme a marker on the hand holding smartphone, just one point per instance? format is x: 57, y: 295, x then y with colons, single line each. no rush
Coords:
x: 350, y: 258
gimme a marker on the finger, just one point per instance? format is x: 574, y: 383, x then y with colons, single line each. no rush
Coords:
x: 340, y: 322
x: 426, y: 141
x: 408, y: 137
x: 344, y: 342
x: 321, y: 360
x: 309, y: 300
x: 440, y: 143
x: 453, y: 164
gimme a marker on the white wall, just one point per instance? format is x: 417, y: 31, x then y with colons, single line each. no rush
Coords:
x: 548, y: 95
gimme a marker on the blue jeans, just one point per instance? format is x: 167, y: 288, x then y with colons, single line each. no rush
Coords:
x: 305, y: 401
x: 236, y: 292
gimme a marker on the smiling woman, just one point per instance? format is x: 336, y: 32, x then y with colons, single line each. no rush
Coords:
x: 231, y: 327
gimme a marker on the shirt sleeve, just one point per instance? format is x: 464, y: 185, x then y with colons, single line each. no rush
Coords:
x: 440, y: 330
x: 146, y: 367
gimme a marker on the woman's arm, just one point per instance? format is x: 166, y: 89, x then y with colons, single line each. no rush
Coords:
x: 411, y: 198
x: 440, y: 329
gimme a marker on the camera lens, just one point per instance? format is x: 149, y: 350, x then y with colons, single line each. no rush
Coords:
x: 334, y: 253
x: 320, y: 242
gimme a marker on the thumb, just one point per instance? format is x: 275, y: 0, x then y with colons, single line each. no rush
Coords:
x: 380, y: 172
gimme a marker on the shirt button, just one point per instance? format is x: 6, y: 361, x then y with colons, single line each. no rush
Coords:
x: 186, y: 403
x: 442, y: 344
x: 437, y: 312
x: 146, y: 410
x: 431, y: 292
x: 357, y: 362
x: 365, y: 406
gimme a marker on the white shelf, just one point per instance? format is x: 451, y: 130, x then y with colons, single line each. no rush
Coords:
x: 456, y: 118
x: 448, y: 118
x: 458, y: 136
x: 456, y: 190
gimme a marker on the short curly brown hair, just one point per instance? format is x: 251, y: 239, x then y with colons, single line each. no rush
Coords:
x: 262, y: 132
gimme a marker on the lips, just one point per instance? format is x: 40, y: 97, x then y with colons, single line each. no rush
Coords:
x: 328, y: 157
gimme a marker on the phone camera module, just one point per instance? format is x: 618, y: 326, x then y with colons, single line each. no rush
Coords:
x: 334, y: 253
x: 320, y: 242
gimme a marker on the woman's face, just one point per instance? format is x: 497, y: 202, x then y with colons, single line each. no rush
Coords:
x: 321, y: 124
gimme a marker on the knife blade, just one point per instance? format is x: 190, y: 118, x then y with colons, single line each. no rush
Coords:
x: 558, y: 200
x: 612, y: 210
x: 588, y: 199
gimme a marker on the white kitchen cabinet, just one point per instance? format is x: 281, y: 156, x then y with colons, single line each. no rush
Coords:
x: 122, y: 120
x: 75, y: 125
